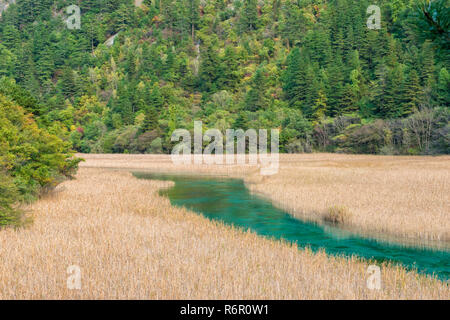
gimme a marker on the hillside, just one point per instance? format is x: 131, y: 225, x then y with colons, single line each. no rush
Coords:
x: 134, y: 72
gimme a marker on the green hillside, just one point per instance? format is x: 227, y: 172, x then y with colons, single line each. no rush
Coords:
x: 311, y: 68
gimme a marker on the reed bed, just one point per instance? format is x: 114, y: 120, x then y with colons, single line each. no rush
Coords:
x: 130, y: 243
x: 403, y: 197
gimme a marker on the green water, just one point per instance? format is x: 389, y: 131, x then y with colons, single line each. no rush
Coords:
x: 228, y: 200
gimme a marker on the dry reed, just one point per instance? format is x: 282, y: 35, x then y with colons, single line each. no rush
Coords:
x: 404, y: 197
x: 130, y: 243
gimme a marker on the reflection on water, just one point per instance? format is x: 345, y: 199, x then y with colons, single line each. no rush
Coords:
x: 228, y: 200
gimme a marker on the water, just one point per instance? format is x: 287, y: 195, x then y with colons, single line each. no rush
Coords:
x: 228, y: 200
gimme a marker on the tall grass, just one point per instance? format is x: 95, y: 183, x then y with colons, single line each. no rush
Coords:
x: 130, y: 243
x: 406, y: 197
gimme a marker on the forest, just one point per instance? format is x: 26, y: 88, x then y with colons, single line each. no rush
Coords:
x: 134, y: 72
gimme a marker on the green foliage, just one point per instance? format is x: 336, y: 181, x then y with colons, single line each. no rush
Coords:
x: 431, y: 20
x: 9, y: 215
x: 310, y: 68
x: 31, y: 158
x: 249, y: 15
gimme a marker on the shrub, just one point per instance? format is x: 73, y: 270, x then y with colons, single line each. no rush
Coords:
x: 337, y: 215
x: 31, y: 158
x: 156, y: 146
x: 125, y: 139
x: 144, y: 141
x: 298, y: 146
x: 9, y: 195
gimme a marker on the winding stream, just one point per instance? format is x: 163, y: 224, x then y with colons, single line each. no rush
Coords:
x: 228, y: 200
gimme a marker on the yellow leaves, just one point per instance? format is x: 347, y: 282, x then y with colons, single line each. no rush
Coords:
x: 139, y: 120
x: 87, y: 107
x: 310, y: 16
x: 32, y: 154
x: 141, y: 85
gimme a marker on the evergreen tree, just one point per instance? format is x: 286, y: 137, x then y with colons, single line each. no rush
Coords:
x: 443, y: 88
x: 349, y: 100
x: 169, y: 66
x: 193, y: 16
x: 208, y: 74
x: 249, y: 15
x: 241, y: 121
x: 45, y: 65
x: 123, y: 105
x: 151, y: 119
x: 411, y: 94
x: 295, y: 23
x: 427, y: 74
x: 392, y: 106
x: 293, y: 77
x: 155, y: 99
x: 320, y: 106
x: 228, y: 74
x: 335, y: 88
x: 255, y: 99
x: 68, y: 82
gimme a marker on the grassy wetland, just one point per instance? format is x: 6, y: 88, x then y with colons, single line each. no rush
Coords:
x: 130, y: 243
x: 399, y: 196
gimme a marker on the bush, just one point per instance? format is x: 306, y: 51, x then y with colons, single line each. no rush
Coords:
x: 156, y: 146
x: 32, y: 160
x: 367, y: 138
x: 337, y: 215
x: 125, y: 139
x: 9, y: 195
x: 144, y: 141
x: 298, y: 146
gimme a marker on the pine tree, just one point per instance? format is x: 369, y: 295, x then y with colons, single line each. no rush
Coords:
x: 193, y: 16
x: 318, y: 45
x: 393, y: 100
x: 295, y: 23
x: 241, y: 121
x: 255, y: 99
x: 10, y: 36
x: 131, y: 61
x: 45, y: 65
x: 335, y: 87
x: 320, y: 106
x: 155, y: 99
x: 169, y: 66
x: 443, y: 87
x: 293, y: 79
x: 249, y: 15
x: 208, y: 69
x: 151, y: 119
x: 411, y: 93
x: 122, y: 17
x: 68, y: 82
x: 349, y: 100
x: 427, y: 72
x: 124, y: 106
x: 228, y: 74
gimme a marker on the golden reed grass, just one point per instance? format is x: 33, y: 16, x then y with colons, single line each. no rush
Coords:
x: 404, y: 197
x: 130, y: 243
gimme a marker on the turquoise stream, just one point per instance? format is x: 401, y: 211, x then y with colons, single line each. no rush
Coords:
x: 228, y: 200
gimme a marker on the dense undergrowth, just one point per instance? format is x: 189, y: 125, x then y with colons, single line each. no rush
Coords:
x: 32, y: 160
